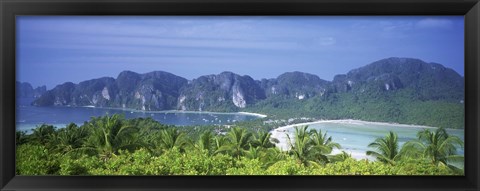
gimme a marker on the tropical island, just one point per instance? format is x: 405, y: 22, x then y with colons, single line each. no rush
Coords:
x: 395, y: 90
x: 392, y: 90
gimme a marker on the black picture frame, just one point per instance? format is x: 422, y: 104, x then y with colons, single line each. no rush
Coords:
x: 9, y: 9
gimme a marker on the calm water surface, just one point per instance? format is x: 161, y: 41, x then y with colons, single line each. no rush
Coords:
x: 29, y: 117
x: 354, y: 136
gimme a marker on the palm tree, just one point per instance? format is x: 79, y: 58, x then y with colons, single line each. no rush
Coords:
x: 386, y: 149
x: 438, y: 146
x: 21, y: 137
x: 254, y: 152
x: 219, y: 141
x: 109, y: 135
x: 170, y: 138
x: 70, y: 138
x: 206, y: 141
x: 238, y: 141
x: 298, y: 147
x: 272, y: 155
x: 339, y: 157
x: 303, y: 147
x: 323, y: 144
x: 263, y: 140
x: 43, y: 134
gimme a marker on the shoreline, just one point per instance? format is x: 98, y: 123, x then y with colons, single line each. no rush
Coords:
x: 176, y: 111
x: 280, y: 133
x: 355, y: 121
x: 254, y: 114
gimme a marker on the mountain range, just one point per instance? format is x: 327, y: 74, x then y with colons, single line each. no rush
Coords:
x: 25, y: 90
x: 406, y: 78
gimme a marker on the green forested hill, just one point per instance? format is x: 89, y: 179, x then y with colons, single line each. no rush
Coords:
x: 396, y: 107
x: 401, y: 90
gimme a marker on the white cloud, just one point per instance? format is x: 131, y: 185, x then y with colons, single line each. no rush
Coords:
x: 317, y: 41
x: 434, y: 23
x: 326, y: 41
x: 398, y: 26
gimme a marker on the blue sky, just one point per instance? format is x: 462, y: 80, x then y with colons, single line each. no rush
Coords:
x: 55, y: 49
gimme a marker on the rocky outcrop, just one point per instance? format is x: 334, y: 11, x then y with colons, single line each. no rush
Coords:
x: 150, y: 91
x: 228, y: 91
x: 297, y: 85
x: 427, y: 80
x: 25, y: 90
x: 225, y: 91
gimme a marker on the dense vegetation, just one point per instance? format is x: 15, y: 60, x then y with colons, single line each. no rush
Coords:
x: 402, y: 106
x: 112, y: 145
x: 400, y: 90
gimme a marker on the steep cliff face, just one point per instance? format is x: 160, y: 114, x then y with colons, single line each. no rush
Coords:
x: 25, y: 90
x: 429, y: 81
x: 150, y: 91
x: 127, y: 83
x: 225, y: 91
x: 97, y: 92
x: 158, y: 91
x: 296, y: 85
x: 228, y: 91
x: 59, y: 96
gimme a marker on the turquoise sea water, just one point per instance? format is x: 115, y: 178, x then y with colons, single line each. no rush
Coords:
x: 354, y: 136
x: 29, y: 117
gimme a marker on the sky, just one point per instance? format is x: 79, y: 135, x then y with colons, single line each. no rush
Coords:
x: 52, y: 50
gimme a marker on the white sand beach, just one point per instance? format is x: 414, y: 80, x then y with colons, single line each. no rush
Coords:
x: 280, y: 133
x: 180, y: 111
x: 254, y: 114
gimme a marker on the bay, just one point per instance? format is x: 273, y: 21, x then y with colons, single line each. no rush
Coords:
x: 29, y: 117
x: 354, y: 135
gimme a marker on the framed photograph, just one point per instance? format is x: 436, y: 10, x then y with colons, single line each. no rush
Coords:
x: 239, y: 95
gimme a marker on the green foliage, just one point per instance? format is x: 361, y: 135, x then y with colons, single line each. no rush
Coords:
x: 340, y: 157
x: 69, y: 139
x: 171, y: 162
x: 262, y: 139
x: 353, y: 167
x: 387, y: 149
x: 246, y: 166
x: 289, y: 166
x: 311, y: 147
x: 237, y: 142
x: 398, y: 106
x: 20, y: 137
x: 439, y: 147
x: 36, y: 160
x: 422, y: 166
x: 109, y: 134
x: 206, y: 143
x: 125, y: 164
x: 171, y: 138
x: 43, y: 135
x: 83, y: 165
x: 111, y: 145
